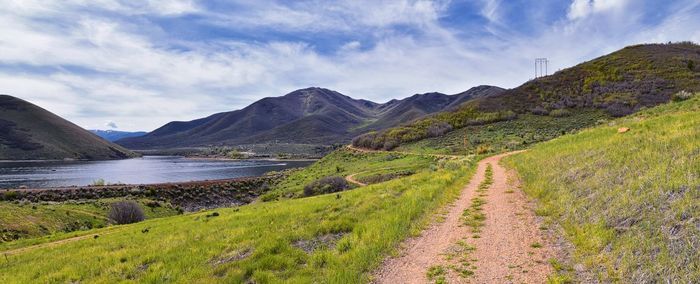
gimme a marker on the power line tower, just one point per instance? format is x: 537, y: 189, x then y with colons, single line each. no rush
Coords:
x: 541, y: 63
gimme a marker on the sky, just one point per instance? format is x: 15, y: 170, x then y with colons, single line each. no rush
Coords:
x: 136, y: 65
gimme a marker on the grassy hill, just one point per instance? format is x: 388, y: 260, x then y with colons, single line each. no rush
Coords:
x: 332, y: 238
x: 28, y: 132
x: 617, y: 84
x: 26, y: 220
x: 629, y: 202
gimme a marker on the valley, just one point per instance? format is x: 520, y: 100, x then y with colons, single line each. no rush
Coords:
x: 586, y: 175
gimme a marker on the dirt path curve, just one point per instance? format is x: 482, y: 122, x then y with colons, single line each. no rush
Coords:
x: 351, y: 179
x: 509, y: 249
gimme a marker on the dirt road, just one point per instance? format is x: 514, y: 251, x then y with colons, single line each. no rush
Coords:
x: 506, y: 246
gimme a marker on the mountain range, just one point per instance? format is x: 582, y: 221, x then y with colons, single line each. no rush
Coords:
x: 114, y: 135
x: 28, y: 132
x: 307, y: 116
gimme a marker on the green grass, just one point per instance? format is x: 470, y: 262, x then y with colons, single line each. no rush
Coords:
x: 344, y: 162
x: 28, y: 220
x: 437, y: 274
x: 259, y: 242
x: 509, y: 135
x: 628, y: 202
x: 473, y: 217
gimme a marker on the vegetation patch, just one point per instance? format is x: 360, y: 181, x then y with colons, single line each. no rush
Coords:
x: 325, y: 241
x: 20, y: 220
x: 631, y: 212
x: 509, y: 135
x: 344, y: 162
x: 326, y: 185
x: 382, y: 177
x: 437, y: 274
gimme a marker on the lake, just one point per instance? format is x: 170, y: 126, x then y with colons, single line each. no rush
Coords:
x: 147, y: 169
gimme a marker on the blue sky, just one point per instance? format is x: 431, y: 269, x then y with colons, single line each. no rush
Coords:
x: 139, y: 64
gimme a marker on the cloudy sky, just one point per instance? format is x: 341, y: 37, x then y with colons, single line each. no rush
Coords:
x: 135, y: 65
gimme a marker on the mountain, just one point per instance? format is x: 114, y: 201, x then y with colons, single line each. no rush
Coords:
x: 28, y: 132
x: 309, y: 116
x: 620, y: 83
x: 615, y: 85
x: 114, y: 135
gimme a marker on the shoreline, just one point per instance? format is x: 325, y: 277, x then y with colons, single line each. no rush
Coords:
x: 252, y: 159
x: 109, y: 186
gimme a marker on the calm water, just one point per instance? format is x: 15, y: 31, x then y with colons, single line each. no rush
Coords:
x: 148, y: 169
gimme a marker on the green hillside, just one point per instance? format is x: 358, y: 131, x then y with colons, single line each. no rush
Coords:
x: 617, y: 84
x: 29, y: 132
x: 332, y: 238
x: 628, y: 202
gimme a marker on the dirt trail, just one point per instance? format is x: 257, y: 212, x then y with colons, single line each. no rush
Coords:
x: 58, y: 242
x: 509, y: 248
x: 351, y: 179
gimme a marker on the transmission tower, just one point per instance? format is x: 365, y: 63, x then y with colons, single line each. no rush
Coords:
x: 540, y: 64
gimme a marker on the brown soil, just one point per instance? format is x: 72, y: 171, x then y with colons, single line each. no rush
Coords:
x: 351, y: 179
x: 509, y: 249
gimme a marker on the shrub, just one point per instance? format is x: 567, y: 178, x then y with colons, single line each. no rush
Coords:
x: 9, y: 195
x: 483, y: 149
x: 326, y: 185
x: 560, y: 113
x: 538, y: 110
x: 438, y: 128
x: 681, y: 96
x: 98, y: 182
x: 126, y: 212
x: 386, y: 177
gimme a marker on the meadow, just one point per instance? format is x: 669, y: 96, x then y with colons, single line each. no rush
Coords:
x: 628, y: 202
x: 332, y: 238
x: 344, y: 162
x: 20, y: 219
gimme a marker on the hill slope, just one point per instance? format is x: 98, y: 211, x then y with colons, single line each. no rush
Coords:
x: 309, y: 116
x: 617, y: 84
x: 632, y: 212
x: 114, y: 135
x: 30, y: 132
x: 331, y: 238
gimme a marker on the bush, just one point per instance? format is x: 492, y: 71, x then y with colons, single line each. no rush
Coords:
x: 326, y: 185
x: 483, y: 149
x: 126, y: 212
x: 438, y: 128
x: 560, y: 113
x: 538, y: 110
x: 99, y: 182
x: 9, y: 195
x: 681, y: 96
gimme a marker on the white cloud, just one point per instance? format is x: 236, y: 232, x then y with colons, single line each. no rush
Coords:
x: 490, y: 10
x: 96, y: 68
x: 111, y: 125
x: 583, y: 8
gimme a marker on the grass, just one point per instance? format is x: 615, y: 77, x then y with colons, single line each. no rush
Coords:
x: 520, y: 133
x: 473, y: 217
x: 27, y: 220
x: 628, y: 202
x: 437, y: 274
x: 344, y: 162
x: 259, y: 242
